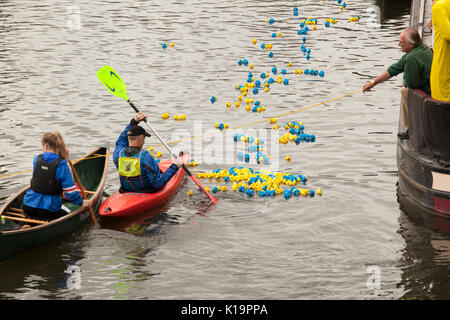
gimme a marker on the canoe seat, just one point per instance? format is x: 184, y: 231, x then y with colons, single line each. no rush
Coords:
x: 22, y: 219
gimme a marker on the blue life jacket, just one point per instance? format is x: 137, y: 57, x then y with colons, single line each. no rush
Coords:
x: 131, y: 172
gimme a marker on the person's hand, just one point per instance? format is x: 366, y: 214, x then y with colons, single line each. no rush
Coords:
x: 180, y: 161
x: 367, y: 87
x: 87, y: 203
x: 140, y: 117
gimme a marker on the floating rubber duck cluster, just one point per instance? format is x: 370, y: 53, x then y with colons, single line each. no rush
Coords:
x: 165, y: 116
x: 330, y: 21
x: 343, y: 5
x: 221, y: 126
x: 165, y: 45
x: 157, y: 156
x: 247, y: 180
x: 257, y: 148
x: 180, y: 117
x: 313, y: 72
x: 261, y: 183
x: 192, y: 163
x: 295, y: 134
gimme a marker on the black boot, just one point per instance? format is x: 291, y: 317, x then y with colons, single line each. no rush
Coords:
x: 403, y: 135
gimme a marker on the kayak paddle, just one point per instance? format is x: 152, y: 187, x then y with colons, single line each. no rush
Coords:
x: 114, y: 83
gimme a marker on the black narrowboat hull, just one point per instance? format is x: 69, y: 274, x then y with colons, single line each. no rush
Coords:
x: 423, y: 162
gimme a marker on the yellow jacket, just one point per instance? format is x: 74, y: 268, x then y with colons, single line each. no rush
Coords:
x: 440, y: 69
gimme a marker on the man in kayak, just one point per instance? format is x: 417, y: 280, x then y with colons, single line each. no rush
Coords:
x: 138, y: 170
x: 416, y: 67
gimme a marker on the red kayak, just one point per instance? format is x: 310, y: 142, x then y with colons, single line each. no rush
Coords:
x: 131, y: 203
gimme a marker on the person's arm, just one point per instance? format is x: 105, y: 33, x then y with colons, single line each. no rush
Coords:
x: 154, y: 175
x: 441, y: 21
x: 122, y: 141
x: 392, y: 71
x: 381, y: 78
x: 64, y: 175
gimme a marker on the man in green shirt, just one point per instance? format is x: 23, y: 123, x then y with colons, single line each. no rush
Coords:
x: 416, y: 67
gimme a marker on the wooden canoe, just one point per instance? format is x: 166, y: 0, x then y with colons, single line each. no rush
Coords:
x: 92, y: 170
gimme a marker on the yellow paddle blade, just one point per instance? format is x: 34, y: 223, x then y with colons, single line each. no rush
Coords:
x: 113, y: 82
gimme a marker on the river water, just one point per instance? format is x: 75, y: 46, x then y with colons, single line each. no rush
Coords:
x: 352, y: 243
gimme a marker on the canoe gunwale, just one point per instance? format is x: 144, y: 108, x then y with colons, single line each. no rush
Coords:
x: 95, y: 197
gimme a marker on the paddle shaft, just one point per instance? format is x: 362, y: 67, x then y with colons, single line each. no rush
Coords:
x: 186, y: 169
x: 25, y: 220
x: 157, y: 135
x: 83, y: 194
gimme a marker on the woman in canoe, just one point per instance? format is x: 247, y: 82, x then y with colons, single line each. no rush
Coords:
x: 51, y: 177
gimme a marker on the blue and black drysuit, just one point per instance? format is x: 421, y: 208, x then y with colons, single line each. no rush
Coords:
x: 138, y: 170
x: 39, y: 201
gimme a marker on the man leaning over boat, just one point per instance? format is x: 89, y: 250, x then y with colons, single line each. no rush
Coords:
x: 138, y: 170
x: 416, y: 67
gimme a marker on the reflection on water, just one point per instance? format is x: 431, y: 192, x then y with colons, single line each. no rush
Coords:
x: 425, y: 262
x: 393, y: 9
x: 242, y: 248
